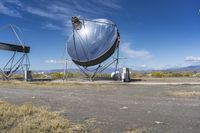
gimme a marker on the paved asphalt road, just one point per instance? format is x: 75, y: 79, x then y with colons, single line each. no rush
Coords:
x: 117, y: 108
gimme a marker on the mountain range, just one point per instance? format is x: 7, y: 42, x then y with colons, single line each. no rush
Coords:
x: 193, y: 68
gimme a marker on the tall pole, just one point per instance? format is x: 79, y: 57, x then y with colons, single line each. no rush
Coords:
x: 26, y: 73
x: 65, y: 70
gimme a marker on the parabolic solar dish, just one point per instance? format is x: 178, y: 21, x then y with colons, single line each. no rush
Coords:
x: 92, y: 41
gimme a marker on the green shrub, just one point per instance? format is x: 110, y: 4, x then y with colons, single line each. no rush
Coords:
x: 157, y: 74
x: 57, y: 75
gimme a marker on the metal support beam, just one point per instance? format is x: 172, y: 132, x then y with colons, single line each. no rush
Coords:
x: 13, y: 47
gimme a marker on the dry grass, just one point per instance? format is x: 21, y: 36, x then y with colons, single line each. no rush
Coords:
x: 39, y: 84
x: 30, y: 119
x: 138, y: 130
x: 49, y: 84
x: 23, y: 84
x: 185, y: 93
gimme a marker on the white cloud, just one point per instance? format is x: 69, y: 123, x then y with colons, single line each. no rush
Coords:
x: 51, y: 26
x: 52, y: 61
x: 16, y: 2
x: 10, y: 11
x: 59, y: 12
x: 132, y: 53
x: 192, y: 59
x: 40, y: 12
x: 108, y: 3
x: 143, y: 66
x: 55, y: 61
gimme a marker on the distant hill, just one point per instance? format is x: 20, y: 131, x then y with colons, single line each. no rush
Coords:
x: 108, y: 70
x: 195, y: 68
x: 55, y: 70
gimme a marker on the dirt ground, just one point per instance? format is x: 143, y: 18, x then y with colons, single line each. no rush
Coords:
x: 117, y: 108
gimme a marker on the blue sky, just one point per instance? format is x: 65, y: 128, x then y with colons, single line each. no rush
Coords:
x: 154, y: 33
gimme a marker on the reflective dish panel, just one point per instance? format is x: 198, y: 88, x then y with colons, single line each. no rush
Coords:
x: 92, y: 41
